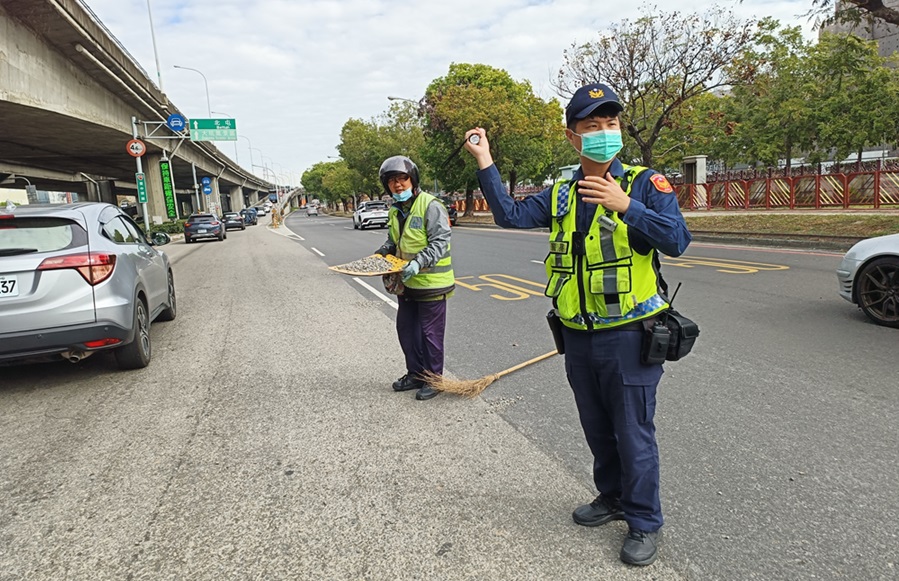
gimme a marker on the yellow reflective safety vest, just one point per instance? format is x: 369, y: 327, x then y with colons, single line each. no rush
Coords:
x: 596, y: 280
x: 413, y: 239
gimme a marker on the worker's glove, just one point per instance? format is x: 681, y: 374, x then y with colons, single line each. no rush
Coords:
x: 383, y: 251
x: 411, y: 270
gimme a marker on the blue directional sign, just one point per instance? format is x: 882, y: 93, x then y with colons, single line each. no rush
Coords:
x: 206, y: 180
x: 176, y: 122
x: 207, y: 190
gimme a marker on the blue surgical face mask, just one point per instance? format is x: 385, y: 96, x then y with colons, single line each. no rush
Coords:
x: 601, y: 146
x: 402, y: 196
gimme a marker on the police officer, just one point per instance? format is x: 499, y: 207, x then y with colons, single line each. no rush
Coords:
x: 606, y: 226
x: 418, y: 231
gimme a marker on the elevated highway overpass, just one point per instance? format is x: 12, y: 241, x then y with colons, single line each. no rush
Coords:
x: 69, y: 92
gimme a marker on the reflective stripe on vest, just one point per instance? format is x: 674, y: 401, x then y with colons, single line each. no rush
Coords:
x: 608, y: 279
x: 413, y: 239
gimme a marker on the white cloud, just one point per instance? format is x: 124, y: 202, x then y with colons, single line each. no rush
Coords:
x: 293, y: 71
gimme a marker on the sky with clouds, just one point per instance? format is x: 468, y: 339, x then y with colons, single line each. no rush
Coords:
x: 293, y: 71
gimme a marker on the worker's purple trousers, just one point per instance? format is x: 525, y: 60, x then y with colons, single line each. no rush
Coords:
x: 421, y: 326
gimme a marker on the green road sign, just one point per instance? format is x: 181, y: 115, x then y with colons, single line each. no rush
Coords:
x: 213, y: 129
x: 141, y: 180
x: 168, y: 190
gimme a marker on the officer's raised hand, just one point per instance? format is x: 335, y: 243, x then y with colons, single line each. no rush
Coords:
x: 481, y: 149
x: 605, y: 192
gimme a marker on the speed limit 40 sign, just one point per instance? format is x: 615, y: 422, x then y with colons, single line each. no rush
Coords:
x: 136, y: 148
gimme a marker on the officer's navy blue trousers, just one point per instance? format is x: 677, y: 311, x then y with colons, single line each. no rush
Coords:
x: 616, y: 399
x: 421, y: 326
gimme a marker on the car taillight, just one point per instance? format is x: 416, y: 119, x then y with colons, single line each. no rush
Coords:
x: 213, y: 223
x: 94, y: 267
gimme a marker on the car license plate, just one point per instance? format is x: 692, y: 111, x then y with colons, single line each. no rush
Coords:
x: 9, y: 286
x: 201, y: 231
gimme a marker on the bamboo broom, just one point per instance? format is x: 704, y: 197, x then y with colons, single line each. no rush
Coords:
x: 473, y: 387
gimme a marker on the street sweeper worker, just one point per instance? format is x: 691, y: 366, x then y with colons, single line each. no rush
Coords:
x: 418, y: 231
x: 607, y: 225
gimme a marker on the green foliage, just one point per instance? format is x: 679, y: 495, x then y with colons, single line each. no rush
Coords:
x: 365, y: 144
x: 525, y: 132
x: 173, y: 227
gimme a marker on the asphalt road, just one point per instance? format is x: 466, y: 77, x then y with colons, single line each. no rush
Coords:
x: 264, y: 442
x: 778, y: 434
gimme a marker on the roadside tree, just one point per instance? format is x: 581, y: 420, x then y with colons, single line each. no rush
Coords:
x: 657, y: 64
x: 525, y: 131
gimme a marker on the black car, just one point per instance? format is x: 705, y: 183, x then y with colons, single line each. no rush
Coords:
x: 450, y: 208
x: 233, y: 220
x: 200, y: 226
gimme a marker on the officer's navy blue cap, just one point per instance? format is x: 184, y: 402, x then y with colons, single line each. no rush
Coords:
x: 589, y: 98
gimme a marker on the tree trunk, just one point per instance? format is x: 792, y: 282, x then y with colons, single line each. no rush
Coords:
x: 646, y: 154
x: 469, y: 201
x: 513, y: 177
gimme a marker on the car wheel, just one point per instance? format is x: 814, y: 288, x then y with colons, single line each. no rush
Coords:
x: 136, y: 355
x: 878, y: 290
x: 355, y: 225
x: 169, y: 313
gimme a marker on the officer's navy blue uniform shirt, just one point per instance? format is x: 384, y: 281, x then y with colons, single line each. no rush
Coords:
x: 653, y: 217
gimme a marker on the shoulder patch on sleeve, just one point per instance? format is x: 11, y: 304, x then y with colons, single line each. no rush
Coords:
x: 661, y: 183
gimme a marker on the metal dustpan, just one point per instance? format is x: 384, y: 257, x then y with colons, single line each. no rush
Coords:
x: 374, y: 265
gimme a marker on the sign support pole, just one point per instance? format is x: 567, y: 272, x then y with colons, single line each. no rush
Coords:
x: 140, y: 169
x: 193, y: 167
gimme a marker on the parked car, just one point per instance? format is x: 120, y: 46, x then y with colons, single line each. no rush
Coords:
x: 371, y: 213
x: 199, y: 226
x: 312, y: 210
x: 80, y: 278
x: 250, y: 216
x: 869, y: 278
x: 450, y: 208
x: 233, y: 220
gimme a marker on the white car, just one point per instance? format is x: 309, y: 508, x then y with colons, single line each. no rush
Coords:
x: 371, y: 213
x: 869, y: 278
x: 311, y: 210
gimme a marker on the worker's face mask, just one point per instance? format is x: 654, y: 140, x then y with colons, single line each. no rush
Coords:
x: 601, y: 146
x: 402, y: 196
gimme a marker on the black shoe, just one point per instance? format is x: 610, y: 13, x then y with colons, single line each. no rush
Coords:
x: 598, y: 512
x: 407, y: 382
x: 640, y: 547
x: 426, y: 392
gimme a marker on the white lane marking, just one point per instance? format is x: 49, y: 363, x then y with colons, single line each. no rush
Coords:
x: 376, y: 292
x: 537, y: 261
x: 316, y: 250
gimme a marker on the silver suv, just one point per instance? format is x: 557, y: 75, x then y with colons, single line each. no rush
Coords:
x: 371, y: 213
x: 80, y: 278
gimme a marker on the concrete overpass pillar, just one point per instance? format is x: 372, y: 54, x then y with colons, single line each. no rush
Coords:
x: 214, y: 200
x: 156, y: 209
x: 237, y: 202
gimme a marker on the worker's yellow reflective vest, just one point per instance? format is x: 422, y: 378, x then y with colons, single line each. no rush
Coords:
x: 596, y: 279
x: 413, y: 239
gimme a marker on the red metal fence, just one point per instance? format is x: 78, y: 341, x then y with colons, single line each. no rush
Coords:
x: 868, y: 185
x: 852, y: 189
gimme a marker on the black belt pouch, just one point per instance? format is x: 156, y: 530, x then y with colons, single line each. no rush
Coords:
x: 555, y: 326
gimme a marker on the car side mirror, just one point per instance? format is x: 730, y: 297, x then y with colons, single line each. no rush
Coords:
x: 161, y: 238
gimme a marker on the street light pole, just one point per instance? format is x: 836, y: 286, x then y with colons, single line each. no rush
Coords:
x: 205, y: 82
x: 155, y: 52
x: 250, y: 143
